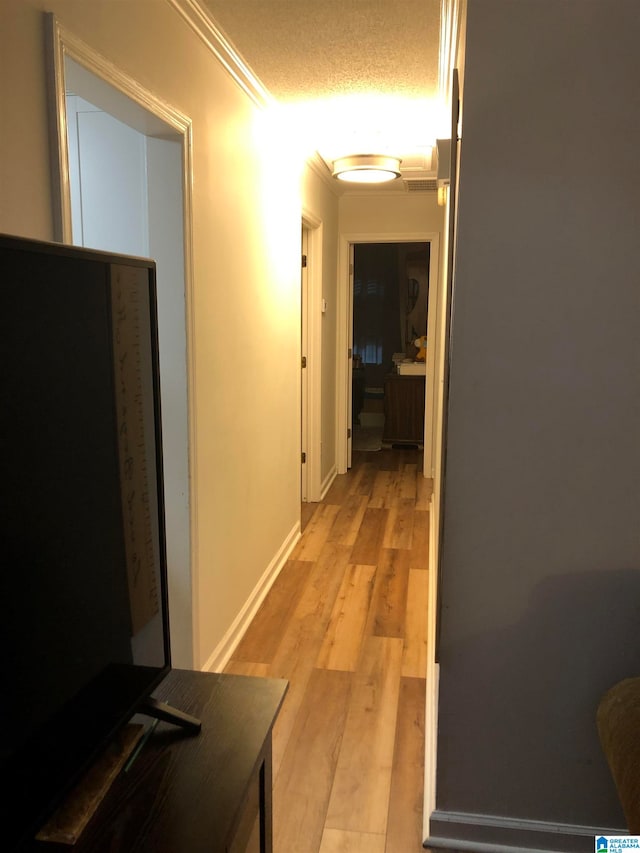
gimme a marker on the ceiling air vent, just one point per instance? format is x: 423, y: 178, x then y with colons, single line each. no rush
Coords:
x: 420, y: 185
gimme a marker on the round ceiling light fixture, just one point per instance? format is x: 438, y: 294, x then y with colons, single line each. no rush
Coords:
x: 366, y: 168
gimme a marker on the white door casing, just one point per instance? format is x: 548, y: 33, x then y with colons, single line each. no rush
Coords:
x: 304, y: 414
x: 166, y: 133
x: 345, y: 337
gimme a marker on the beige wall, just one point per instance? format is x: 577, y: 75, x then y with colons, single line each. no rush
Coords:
x: 246, y: 241
x: 389, y: 213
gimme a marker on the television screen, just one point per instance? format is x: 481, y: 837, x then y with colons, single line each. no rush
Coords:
x: 83, y: 622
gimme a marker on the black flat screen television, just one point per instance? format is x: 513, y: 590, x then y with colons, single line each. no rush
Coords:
x: 83, y: 593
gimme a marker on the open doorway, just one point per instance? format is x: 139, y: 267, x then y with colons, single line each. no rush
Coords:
x: 344, y: 366
x: 390, y: 313
x: 124, y: 182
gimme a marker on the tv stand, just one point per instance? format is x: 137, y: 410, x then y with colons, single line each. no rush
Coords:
x: 204, y: 794
x: 152, y: 707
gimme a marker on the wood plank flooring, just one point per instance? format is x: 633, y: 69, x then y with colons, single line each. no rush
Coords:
x: 345, y: 624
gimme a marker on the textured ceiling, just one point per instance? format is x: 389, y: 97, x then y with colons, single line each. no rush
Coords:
x: 383, y: 52
x: 302, y: 49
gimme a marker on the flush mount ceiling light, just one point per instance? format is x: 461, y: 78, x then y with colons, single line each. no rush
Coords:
x: 366, y: 168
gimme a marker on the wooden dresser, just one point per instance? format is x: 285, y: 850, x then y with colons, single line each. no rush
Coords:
x: 404, y: 409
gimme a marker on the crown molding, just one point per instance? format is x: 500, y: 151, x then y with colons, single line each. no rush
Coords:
x: 318, y: 166
x: 450, y: 14
x: 201, y: 22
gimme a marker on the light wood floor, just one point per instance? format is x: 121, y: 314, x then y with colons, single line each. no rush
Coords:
x: 345, y: 623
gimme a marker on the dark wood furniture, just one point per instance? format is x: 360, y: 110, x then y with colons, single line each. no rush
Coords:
x: 404, y: 409
x: 195, y: 793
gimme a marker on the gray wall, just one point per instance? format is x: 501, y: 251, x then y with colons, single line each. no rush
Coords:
x: 541, y: 561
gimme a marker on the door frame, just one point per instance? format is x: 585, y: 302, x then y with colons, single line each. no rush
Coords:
x: 152, y: 117
x: 345, y: 338
x: 304, y: 373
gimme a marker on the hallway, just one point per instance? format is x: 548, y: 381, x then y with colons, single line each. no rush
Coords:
x: 345, y: 623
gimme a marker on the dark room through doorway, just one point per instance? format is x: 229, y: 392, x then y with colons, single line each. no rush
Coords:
x: 390, y: 309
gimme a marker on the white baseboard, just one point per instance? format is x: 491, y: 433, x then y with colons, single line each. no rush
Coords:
x: 483, y: 833
x: 227, y: 645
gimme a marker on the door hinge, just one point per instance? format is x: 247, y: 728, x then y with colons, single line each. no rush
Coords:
x: 349, y: 433
x: 304, y: 261
x: 304, y: 457
x: 349, y: 353
x: 304, y: 361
